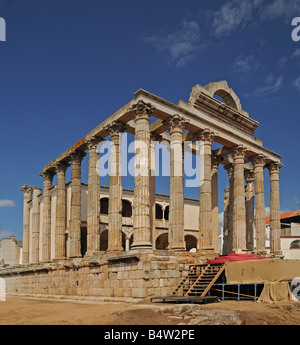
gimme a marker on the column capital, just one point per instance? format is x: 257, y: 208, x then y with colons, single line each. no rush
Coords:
x: 27, y: 190
x: 215, y: 161
x: 155, y: 136
x: 249, y: 176
x: 77, y: 155
x: 142, y: 109
x: 274, y: 167
x: 116, y: 127
x: 238, y: 152
x: 176, y: 123
x: 47, y: 175
x: 206, y: 135
x: 93, y: 142
x: 61, y: 166
x: 229, y: 169
x: 258, y: 161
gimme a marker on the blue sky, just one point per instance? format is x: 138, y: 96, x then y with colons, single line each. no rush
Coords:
x: 67, y: 65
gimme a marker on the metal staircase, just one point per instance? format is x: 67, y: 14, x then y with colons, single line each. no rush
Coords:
x: 199, y: 280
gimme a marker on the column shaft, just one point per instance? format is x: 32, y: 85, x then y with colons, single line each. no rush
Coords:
x: 60, y: 217
x: 75, y: 220
x: 215, y: 206
x: 35, y: 226
x: 27, y: 194
x: 258, y: 166
x: 93, y: 202
x: 225, y: 221
x: 228, y: 232
x: 205, y: 212
x: 275, y: 247
x: 249, y: 177
x: 239, y: 210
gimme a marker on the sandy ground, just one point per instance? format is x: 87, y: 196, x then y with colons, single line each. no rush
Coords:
x: 28, y: 311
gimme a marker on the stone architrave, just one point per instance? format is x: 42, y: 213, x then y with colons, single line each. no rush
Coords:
x: 141, y: 199
x: 60, y: 217
x: 75, y: 218
x: 46, y: 234
x: 35, y: 238
x: 176, y: 240
x: 116, y: 128
x: 239, y: 207
x: 249, y: 194
x: 27, y: 195
x: 93, y: 198
x: 274, y: 168
x: 214, y: 199
x: 228, y: 231
x: 206, y: 138
x: 258, y: 163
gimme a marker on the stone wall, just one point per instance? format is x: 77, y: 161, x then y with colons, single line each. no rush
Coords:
x: 131, y: 274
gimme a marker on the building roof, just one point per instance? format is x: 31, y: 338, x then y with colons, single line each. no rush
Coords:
x: 288, y: 217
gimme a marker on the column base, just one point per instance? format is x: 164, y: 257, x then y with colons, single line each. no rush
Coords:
x: 141, y: 245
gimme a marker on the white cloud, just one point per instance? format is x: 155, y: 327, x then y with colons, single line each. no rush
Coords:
x: 272, y: 85
x: 296, y: 83
x: 245, y: 63
x: 5, y: 233
x: 178, y: 47
x: 286, y: 9
x: 7, y: 203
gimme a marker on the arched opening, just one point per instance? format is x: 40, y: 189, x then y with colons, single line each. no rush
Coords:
x: 158, y: 212
x: 226, y: 97
x: 126, y: 209
x: 104, y: 240
x: 161, y: 242
x: 295, y: 244
x: 190, y: 243
x: 104, y: 205
x: 166, y: 213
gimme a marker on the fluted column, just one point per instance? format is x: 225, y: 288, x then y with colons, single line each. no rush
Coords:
x: 206, y: 138
x: 249, y: 177
x: 75, y: 218
x: 225, y: 221
x: 35, y: 239
x: 27, y: 195
x: 258, y: 163
x: 93, y: 199
x: 115, y: 188
x: 141, y: 198
x: 46, y: 234
x: 154, y: 139
x: 228, y: 231
x: 176, y: 125
x: 60, y: 217
x: 214, y: 199
x: 239, y: 209
x: 275, y: 247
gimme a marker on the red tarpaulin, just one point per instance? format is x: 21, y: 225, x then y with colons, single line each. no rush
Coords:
x: 234, y: 257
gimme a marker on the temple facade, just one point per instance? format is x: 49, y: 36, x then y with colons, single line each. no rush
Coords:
x: 75, y: 221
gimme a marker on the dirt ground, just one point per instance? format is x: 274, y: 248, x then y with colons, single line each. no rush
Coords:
x: 29, y: 311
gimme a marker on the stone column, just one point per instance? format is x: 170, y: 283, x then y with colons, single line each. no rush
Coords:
x: 93, y: 201
x: 35, y: 225
x: 214, y: 199
x: 228, y: 232
x: 46, y: 234
x: 60, y: 217
x: 249, y: 177
x: 274, y: 208
x: 75, y: 218
x: 206, y: 138
x: 176, y: 241
x: 141, y: 198
x: 27, y: 194
x: 154, y: 138
x: 239, y: 209
x: 115, y: 188
x: 258, y: 163
x: 225, y: 221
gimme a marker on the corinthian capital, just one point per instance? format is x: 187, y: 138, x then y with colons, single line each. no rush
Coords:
x: 77, y: 155
x: 206, y: 135
x: 116, y: 127
x: 274, y: 167
x: 176, y: 123
x: 141, y: 109
x: 27, y: 190
x: 238, y: 152
x: 93, y: 142
x: 47, y: 175
x: 258, y: 161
